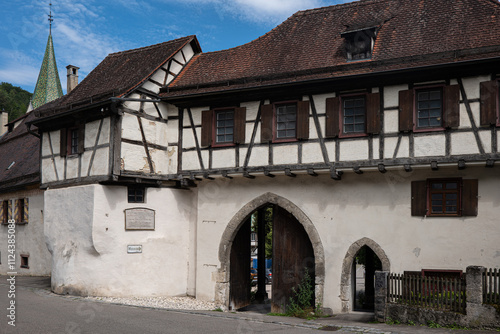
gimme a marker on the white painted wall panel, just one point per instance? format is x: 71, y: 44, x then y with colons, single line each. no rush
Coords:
x: 48, y: 172
x: 130, y: 127
x: 464, y: 117
x: 151, y: 87
x: 354, y: 150
x: 471, y: 86
x: 159, y: 76
x: 100, y: 165
x: 404, y: 148
x: 391, y: 121
x: 389, y: 147
x: 313, y: 133
x: 175, y: 68
x: 311, y: 153
x: 433, y: 145
x: 91, y: 130
x: 105, y: 131
x: 179, y: 58
x: 376, y: 148
x: 391, y: 95
x: 134, y: 157
x: 330, y: 149
x: 259, y: 156
x: 224, y: 158
x: 150, y: 109
x: 173, y: 131
x: 72, y: 166
x: 485, y: 137
x: 463, y: 143
x: 188, y: 51
x: 55, y: 138
x: 286, y: 154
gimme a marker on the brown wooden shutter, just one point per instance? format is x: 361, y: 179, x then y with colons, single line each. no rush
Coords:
x: 9, y: 210
x: 16, y: 211
x: 63, y: 142
x: 81, y: 138
x: 239, y: 125
x: 406, y: 110
x: 26, y: 210
x: 207, y: 118
x: 419, y: 198
x: 266, y: 123
x: 489, y: 97
x: 469, y: 197
x: 3, y: 213
x: 451, y: 111
x: 373, y: 113
x: 303, y: 120
x: 332, y: 117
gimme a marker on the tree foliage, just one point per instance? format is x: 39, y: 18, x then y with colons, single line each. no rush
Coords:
x: 14, y: 100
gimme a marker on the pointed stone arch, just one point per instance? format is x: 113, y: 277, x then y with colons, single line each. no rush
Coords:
x: 345, y: 287
x: 222, y: 285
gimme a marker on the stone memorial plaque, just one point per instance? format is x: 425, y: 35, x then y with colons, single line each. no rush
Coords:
x: 134, y: 249
x: 139, y: 219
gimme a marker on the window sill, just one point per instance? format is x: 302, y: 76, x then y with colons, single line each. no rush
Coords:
x: 353, y: 135
x: 224, y: 145
x: 285, y: 140
x: 437, y: 129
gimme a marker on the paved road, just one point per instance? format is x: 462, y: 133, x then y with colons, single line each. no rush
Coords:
x: 42, y: 312
x: 38, y: 311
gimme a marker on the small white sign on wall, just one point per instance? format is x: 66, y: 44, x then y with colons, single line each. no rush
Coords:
x: 131, y: 249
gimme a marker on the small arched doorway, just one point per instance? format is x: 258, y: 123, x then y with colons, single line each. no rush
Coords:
x: 296, y: 246
x: 377, y: 260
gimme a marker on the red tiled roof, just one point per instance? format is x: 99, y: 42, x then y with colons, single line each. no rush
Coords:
x: 309, y: 45
x: 22, y: 149
x: 119, y: 73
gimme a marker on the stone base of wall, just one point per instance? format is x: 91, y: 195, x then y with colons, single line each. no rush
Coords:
x: 422, y: 316
x: 478, y: 316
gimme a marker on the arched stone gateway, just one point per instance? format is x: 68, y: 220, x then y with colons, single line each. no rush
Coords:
x: 222, y: 285
x: 345, y: 287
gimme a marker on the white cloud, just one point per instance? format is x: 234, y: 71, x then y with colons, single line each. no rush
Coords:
x: 271, y: 12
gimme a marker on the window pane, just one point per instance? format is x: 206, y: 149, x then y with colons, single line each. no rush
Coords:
x: 354, y: 115
x: 286, y: 117
x: 452, y: 185
x: 225, y: 126
x: 437, y: 186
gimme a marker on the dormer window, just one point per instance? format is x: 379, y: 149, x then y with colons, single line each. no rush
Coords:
x: 359, y: 43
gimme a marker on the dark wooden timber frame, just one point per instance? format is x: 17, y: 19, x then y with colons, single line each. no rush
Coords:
x: 377, y: 159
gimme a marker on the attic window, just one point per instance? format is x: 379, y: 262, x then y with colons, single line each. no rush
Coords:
x: 359, y: 43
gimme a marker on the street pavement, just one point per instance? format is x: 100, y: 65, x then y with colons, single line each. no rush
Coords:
x: 40, y: 311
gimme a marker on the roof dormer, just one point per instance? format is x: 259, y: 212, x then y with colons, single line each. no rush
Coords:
x: 359, y: 43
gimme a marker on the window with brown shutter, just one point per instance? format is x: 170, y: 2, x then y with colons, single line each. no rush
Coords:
x: 4, y: 212
x: 285, y: 121
x: 72, y: 140
x: 444, y: 197
x: 489, y: 113
x: 429, y: 108
x: 223, y: 127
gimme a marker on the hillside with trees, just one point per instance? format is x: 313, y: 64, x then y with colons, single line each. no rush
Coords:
x: 14, y: 100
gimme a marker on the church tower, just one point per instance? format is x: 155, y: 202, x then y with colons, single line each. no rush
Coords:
x: 48, y: 86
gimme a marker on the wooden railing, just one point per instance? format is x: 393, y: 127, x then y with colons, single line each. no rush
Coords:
x: 491, y: 286
x: 447, y: 294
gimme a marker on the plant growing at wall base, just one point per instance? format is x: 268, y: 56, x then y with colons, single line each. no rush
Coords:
x: 300, y: 305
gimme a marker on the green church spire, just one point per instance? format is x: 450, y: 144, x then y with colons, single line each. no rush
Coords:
x: 48, y: 86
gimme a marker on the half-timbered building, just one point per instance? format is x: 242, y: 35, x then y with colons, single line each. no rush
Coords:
x: 367, y: 125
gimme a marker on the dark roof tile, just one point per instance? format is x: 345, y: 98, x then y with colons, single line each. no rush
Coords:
x: 310, y: 41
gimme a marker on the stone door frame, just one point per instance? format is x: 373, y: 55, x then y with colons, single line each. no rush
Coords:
x: 222, y: 281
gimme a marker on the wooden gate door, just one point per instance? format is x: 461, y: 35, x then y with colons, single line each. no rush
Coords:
x: 239, y: 279
x: 292, y: 253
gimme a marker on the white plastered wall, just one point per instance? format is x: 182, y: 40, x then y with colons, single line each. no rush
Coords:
x: 29, y: 237
x: 89, y: 242
x: 372, y: 205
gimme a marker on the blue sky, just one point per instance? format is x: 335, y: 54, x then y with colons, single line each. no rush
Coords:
x: 85, y: 31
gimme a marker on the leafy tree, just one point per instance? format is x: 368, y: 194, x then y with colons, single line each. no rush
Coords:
x: 14, y: 100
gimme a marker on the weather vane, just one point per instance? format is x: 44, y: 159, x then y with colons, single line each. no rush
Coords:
x: 50, y: 17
